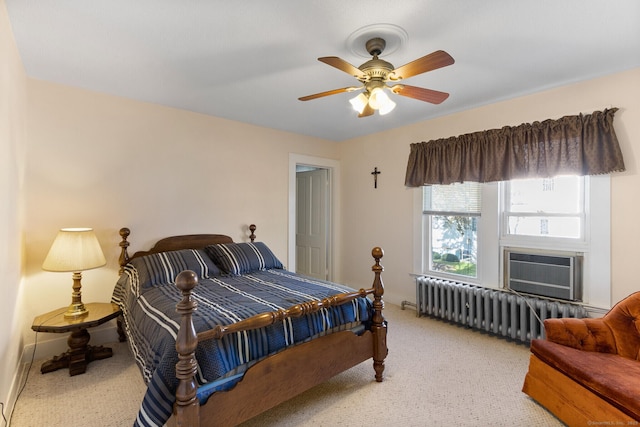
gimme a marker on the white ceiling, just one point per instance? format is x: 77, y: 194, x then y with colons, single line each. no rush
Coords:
x: 250, y: 60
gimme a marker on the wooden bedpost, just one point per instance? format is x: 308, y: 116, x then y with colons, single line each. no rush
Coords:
x: 379, y: 325
x: 123, y: 260
x: 124, y: 255
x: 252, y: 228
x: 187, y: 407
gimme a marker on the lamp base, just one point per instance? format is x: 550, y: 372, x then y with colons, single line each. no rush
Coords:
x: 76, y: 310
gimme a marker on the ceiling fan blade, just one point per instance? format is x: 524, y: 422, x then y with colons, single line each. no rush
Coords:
x: 433, y: 61
x: 426, y: 95
x: 367, y: 111
x: 327, y: 93
x: 343, y: 65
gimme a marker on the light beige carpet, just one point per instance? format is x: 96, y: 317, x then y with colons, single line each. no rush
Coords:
x: 437, y: 374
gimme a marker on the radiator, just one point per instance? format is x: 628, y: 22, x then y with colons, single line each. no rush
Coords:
x: 497, y: 312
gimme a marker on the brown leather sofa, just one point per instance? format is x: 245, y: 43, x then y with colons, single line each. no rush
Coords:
x: 587, y: 371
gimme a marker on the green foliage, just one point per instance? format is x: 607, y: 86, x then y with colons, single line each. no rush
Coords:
x: 450, y: 258
x: 463, y: 268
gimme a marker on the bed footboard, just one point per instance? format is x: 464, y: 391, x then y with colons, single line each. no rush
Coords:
x: 187, y: 408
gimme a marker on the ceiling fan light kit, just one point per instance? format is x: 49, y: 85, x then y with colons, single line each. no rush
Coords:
x: 376, y: 73
x: 387, y: 107
x: 359, y: 102
x: 376, y: 100
x: 379, y: 100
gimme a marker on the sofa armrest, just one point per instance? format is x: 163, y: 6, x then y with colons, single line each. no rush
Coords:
x: 583, y: 334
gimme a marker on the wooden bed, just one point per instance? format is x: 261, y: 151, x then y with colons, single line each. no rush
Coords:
x: 278, y: 377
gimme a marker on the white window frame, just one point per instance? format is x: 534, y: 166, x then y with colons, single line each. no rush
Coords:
x: 596, y: 244
x: 538, y: 242
x: 485, y: 239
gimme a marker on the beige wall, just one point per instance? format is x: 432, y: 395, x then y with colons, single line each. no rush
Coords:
x: 12, y: 140
x: 107, y: 162
x: 384, y: 217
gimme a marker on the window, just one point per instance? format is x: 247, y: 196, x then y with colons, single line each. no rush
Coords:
x: 571, y: 214
x: 545, y: 208
x: 452, y: 216
x: 545, y: 213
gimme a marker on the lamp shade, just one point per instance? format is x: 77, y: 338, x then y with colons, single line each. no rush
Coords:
x: 74, y: 249
x: 359, y: 102
x: 387, y: 107
x: 379, y: 99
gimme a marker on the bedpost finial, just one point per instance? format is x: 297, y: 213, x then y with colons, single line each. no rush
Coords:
x: 124, y: 233
x: 186, y: 280
x: 252, y: 228
x: 377, y: 253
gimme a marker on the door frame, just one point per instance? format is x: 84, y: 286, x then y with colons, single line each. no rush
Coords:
x: 333, y: 167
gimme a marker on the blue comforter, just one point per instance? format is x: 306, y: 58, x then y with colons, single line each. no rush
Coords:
x: 151, y: 324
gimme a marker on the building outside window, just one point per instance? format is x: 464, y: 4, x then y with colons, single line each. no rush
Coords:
x: 546, y: 207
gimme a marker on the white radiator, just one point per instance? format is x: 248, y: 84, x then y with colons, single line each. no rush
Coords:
x: 494, y: 311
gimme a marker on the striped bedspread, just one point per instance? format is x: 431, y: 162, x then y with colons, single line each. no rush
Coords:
x: 151, y: 324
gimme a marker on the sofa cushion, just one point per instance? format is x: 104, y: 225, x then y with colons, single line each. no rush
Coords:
x: 612, y: 377
x: 583, y: 334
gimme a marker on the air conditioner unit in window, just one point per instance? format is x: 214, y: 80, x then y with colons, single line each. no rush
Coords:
x: 545, y: 273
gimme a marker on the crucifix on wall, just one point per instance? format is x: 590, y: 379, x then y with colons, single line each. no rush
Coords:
x: 375, y: 174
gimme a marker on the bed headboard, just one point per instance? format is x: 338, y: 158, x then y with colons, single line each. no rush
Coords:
x: 173, y: 243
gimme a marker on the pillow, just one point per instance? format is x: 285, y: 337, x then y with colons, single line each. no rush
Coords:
x: 163, y: 268
x: 239, y: 258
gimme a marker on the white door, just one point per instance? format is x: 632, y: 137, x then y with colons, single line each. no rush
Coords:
x: 311, y: 223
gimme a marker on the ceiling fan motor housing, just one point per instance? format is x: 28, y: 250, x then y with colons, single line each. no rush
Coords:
x: 375, y: 46
x: 376, y: 68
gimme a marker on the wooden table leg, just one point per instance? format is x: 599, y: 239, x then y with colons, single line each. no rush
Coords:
x: 78, y: 355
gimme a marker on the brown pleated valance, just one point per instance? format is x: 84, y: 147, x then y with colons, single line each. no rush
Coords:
x: 571, y: 145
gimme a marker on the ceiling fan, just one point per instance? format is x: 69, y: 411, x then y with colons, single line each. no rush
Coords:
x: 376, y: 73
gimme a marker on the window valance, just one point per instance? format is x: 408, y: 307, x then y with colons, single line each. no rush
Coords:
x: 576, y: 145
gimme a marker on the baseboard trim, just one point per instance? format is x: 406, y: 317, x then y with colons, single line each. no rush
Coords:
x: 19, y: 378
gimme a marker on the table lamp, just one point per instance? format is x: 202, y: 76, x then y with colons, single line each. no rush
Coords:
x: 75, y: 250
